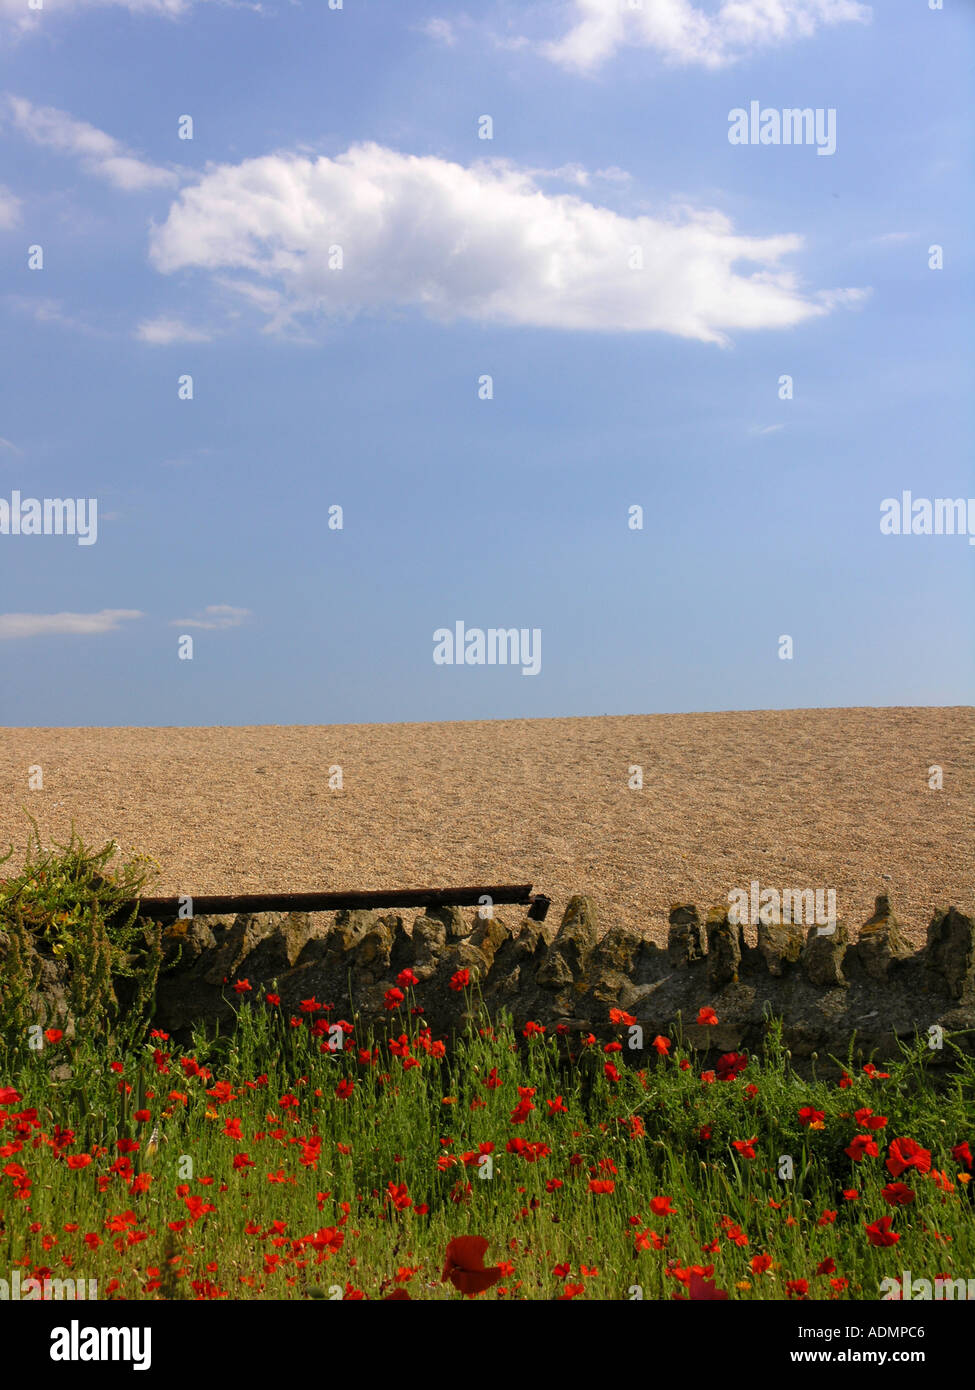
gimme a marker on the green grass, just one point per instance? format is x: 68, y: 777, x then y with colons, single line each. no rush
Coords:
x: 312, y: 1211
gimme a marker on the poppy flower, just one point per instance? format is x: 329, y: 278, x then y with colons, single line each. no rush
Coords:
x: 879, y: 1232
x: 396, y: 1296
x: 761, y: 1264
x: 660, y: 1206
x: 731, y: 1065
x: 897, y: 1194
x: 621, y: 1016
x: 904, y: 1154
x: 459, y: 980
x: 464, y: 1266
x: 707, y: 1016
x: 701, y: 1290
x: 393, y: 998
x: 78, y: 1160
x: 860, y: 1145
x: 601, y: 1186
x: 746, y: 1147
x: 662, y: 1045
x: 961, y: 1153
x: 815, y: 1119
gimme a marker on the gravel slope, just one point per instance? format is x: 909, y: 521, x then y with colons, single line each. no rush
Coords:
x: 796, y: 798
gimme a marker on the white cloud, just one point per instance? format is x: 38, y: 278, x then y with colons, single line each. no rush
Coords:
x: 6, y: 444
x: 165, y: 330
x: 217, y: 615
x: 100, y: 154
x: 25, y: 19
x: 483, y: 243
x: 441, y: 31
x: 55, y: 624
x: 49, y: 311
x: 9, y: 208
x: 682, y: 32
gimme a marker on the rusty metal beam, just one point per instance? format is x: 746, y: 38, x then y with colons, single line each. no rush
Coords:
x: 206, y: 904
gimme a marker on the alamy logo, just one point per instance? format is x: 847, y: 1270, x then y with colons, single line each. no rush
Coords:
x: 770, y: 907
x: 907, y: 1288
x: 21, y: 1290
x: 919, y: 516
x: 498, y: 646
x: 792, y: 126
x: 50, y: 516
x: 76, y: 1343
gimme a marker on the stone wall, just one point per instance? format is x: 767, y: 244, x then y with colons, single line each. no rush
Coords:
x: 825, y: 987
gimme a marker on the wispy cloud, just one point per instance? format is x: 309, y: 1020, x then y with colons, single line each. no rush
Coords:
x: 6, y: 444
x: 49, y: 311
x: 57, y: 624
x: 166, y: 329
x: 484, y: 242
x: 10, y: 206
x: 685, y: 33
x: 101, y: 155
x: 217, y: 615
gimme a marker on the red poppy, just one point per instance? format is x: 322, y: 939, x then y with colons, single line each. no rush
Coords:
x: 703, y: 1290
x: 243, y: 987
x: 860, y: 1145
x: 707, y: 1016
x: 897, y: 1194
x: 731, y: 1065
x: 660, y: 1206
x: 746, y: 1147
x: 8, y: 1096
x: 460, y: 980
x: 405, y: 978
x: 961, y: 1153
x: 662, y: 1045
x: 344, y: 1089
x: 761, y: 1263
x: 78, y: 1160
x: 879, y: 1232
x: 601, y: 1186
x: 904, y: 1154
x: 621, y: 1016
x: 811, y: 1117
x: 393, y: 998
x: 464, y: 1266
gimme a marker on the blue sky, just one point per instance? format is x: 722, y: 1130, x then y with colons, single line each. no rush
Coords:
x: 357, y: 386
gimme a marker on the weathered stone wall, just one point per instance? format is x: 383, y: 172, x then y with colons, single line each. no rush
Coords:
x: 825, y: 987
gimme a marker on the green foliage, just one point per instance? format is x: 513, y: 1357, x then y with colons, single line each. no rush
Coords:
x: 281, y: 1168
x: 71, y: 902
